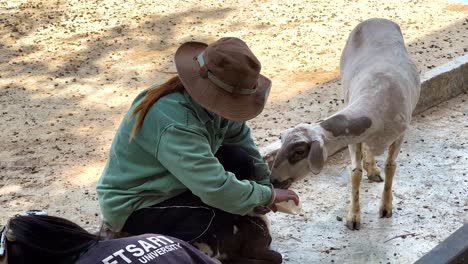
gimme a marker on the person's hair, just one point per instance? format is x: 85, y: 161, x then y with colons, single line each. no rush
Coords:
x: 152, y: 96
x: 46, y: 239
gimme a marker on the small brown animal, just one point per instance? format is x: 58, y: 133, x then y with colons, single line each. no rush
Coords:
x: 249, y: 243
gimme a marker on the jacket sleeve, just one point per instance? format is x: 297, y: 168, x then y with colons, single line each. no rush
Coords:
x: 239, y: 134
x: 187, y: 155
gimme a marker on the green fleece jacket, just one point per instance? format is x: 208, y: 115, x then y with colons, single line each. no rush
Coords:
x: 174, y: 152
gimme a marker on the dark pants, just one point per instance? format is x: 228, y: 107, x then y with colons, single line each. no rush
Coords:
x: 185, y: 216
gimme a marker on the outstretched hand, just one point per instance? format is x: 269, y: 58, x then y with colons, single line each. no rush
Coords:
x: 282, y: 195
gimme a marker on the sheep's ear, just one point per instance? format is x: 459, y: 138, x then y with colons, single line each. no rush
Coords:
x: 316, y: 160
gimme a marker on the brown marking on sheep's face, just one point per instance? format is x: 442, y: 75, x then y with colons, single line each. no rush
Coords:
x: 291, y: 160
x: 339, y: 125
x: 288, y: 159
x: 298, y: 152
x: 296, y: 149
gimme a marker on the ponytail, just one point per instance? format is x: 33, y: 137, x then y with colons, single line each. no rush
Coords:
x: 46, y: 239
x: 152, y: 96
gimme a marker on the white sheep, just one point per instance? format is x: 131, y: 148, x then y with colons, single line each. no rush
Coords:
x: 381, y: 88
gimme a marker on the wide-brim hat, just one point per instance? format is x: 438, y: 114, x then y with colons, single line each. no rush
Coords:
x: 223, y: 77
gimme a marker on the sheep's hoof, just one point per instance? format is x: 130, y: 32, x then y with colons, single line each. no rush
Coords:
x: 375, y: 178
x: 353, y: 222
x: 385, y: 212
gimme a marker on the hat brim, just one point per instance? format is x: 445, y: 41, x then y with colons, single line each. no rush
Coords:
x: 230, y: 106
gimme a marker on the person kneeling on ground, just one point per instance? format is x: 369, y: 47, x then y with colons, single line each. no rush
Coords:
x: 183, y: 162
x: 30, y: 239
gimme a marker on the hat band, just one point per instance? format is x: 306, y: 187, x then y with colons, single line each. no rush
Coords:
x: 228, y: 88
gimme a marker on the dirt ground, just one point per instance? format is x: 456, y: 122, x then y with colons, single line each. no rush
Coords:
x: 70, y: 69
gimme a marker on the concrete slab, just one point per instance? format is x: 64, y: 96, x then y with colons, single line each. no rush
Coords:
x: 442, y: 83
x: 430, y: 199
x: 453, y: 250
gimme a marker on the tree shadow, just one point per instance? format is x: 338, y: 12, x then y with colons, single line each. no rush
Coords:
x: 123, y: 37
x: 58, y: 119
x: 19, y: 21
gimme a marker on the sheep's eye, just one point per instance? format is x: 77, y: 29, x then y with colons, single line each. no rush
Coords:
x: 300, y: 151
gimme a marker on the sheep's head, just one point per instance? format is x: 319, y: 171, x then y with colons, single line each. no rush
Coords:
x: 302, y: 149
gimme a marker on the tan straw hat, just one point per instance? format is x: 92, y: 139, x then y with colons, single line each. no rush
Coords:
x: 223, y: 77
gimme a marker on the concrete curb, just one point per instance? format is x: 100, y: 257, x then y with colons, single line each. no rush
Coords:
x: 437, y: 85
x: 443, y: 83
x: 453, y: 250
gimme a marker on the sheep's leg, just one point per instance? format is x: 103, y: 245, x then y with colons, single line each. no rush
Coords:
x: 373, y: 172
x: 390, y: 167
x: 353, y: 220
